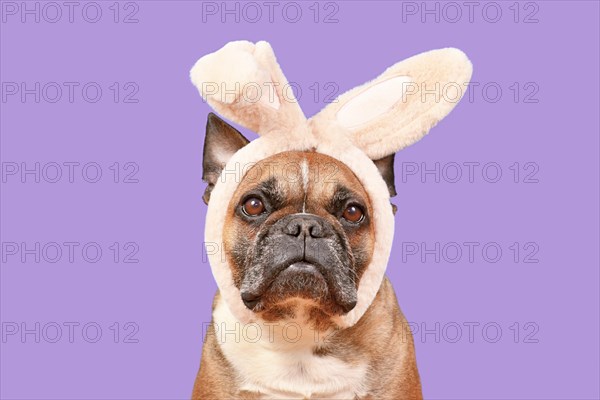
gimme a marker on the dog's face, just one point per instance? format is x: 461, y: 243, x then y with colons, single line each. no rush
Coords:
x: 298, y: 233
x: 298, y: 226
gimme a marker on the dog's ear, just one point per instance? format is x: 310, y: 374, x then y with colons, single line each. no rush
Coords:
x: 385, y: 166
x: 222, y: 141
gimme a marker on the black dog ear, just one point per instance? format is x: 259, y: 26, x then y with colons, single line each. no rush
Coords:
x: 221, y: 142
x: 385, y: 166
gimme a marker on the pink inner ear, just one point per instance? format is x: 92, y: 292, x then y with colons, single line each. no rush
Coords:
x: 372, y: 102
x: 267, y: 93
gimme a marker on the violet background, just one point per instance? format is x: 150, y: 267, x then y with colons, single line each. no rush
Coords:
x: 169, y: 292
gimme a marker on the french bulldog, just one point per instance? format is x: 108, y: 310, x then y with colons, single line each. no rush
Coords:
x: 298, y: 236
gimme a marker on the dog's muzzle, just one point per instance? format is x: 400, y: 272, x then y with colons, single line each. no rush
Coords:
x: 301, y: 255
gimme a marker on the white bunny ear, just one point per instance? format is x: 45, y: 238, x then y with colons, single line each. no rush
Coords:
x: 243, y: 82
x: 401, y: 105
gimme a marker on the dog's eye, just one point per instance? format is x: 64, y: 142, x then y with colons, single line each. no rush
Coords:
x: 353, y: 213
x: 253, y: 206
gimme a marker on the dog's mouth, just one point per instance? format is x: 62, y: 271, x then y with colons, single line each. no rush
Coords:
x: 301, y: 280
x: 299, y: 269
x: 300, y: 257
x: 291, y: 280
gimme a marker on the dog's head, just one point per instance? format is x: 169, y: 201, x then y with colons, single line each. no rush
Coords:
x: 301, y: 216
x: 298, y: 229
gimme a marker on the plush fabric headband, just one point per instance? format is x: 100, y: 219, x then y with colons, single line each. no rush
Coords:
x: 244, y: 83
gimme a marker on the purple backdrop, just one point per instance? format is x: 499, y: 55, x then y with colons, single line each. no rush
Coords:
x: 105, y: 286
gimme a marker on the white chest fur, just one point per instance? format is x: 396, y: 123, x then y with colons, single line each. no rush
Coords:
x: 277, y: 360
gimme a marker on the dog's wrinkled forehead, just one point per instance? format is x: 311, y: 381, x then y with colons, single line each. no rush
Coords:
x: 306, y: 179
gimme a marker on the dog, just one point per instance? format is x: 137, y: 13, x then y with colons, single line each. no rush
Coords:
x: 300, y: 227
x: 298, y: 237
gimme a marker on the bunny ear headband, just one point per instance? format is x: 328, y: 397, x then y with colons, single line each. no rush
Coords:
x: 244, y: 83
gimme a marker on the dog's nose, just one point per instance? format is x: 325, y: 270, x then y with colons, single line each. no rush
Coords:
x: 305, y: 225
x: 250, y: 299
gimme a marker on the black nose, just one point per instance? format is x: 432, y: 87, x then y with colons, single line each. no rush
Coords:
x: 348, y: 306
x: 250, y: 299
x: 306, y: 225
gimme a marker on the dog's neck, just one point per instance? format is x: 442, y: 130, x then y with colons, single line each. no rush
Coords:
x: 286, y: 359
x: 293, y: 333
